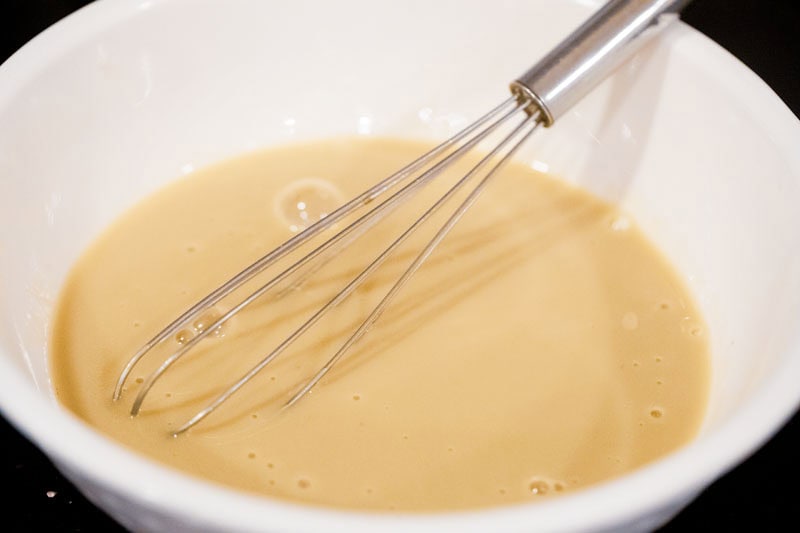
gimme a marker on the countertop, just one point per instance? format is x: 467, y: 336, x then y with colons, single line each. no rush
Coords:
x: 763, y: 35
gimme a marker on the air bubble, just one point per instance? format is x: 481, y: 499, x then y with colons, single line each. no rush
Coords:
x: 184, y: 336
x: 630, y: 321
x: 306, y: 201
x: 539, y: 487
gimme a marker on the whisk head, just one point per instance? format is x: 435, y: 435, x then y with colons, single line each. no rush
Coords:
x: 513, y: 121
x: 602, y: 43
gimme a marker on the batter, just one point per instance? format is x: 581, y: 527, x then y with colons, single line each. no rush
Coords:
x: 545, y: 346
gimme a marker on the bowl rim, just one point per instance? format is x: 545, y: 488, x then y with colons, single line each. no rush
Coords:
x: 87, y: 453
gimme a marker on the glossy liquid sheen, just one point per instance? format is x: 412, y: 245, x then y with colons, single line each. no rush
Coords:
x: 545, y: 345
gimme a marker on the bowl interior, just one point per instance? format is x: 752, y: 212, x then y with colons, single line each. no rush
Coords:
x: 110, y: 104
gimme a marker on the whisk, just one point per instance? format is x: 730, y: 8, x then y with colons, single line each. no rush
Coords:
x: 539, y: 97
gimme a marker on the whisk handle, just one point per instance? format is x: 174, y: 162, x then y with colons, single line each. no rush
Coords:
x: 590, y: 53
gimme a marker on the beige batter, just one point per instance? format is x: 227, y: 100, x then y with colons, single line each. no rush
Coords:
x: 545, y: 346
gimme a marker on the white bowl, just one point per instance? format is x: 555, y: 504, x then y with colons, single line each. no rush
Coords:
x: 114, y: 101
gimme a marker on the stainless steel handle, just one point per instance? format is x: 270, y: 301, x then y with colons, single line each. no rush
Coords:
x: 590, y: 53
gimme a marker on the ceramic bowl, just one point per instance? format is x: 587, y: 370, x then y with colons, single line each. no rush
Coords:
x: 124, y: 95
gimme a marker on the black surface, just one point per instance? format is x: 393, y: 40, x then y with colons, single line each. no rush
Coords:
x: 754, y: 496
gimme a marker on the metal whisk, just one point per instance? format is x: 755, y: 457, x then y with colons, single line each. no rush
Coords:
x: 541, y: 95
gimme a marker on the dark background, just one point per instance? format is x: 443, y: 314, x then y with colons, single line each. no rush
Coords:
x: 760, y: 495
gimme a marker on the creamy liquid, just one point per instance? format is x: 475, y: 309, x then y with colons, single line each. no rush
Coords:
x: 544, y: 346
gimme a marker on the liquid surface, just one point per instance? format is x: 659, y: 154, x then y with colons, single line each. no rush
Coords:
x: 544, y: 346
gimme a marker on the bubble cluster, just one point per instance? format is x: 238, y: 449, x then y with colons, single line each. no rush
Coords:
x: 201, y: 324
x: 205, y: 320
x: 541, y: 486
